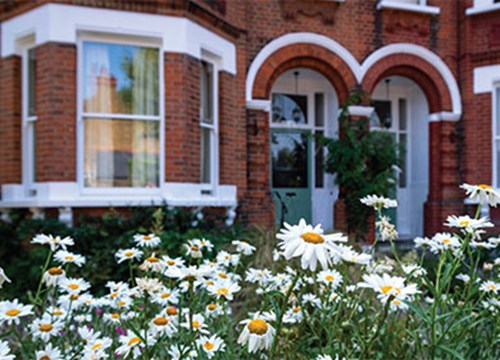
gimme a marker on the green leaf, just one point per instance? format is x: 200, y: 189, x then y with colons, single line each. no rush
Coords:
x: 451, y: 352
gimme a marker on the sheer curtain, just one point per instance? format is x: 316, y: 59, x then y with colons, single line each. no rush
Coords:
x: 99, y: 162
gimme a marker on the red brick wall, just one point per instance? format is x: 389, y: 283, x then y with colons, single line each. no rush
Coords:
x: 56, y: 112
x: 10, y: 120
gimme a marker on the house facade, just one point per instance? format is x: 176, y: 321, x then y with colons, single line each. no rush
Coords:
x: 218, y: 103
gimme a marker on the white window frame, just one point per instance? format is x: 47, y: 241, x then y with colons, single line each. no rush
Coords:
x: 211, y: 187
x: 138, y: 40
x: 28, y: 124
x: 495, y: 115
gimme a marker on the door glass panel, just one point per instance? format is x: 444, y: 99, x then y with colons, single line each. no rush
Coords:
x: 402, y: 114
x: 289, y: 108
x: 289, y: 159
x: 402, y: 158
x: 382, y: 114
x: 319, y: 110
x: 319, y: 162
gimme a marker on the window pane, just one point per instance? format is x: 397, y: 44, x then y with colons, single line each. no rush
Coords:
x: 403, y: 145
x: 120, y: 79
x: 289, y: 108
x: 319, y: 160
x: 206, y: 154
x: 289, y: 152
x: 206, y: 93
x: 382, y: 114
x: 497, y: 143
x: 121, y: 153
x: 31, y: 82
x: 319, y: 109
x: 497, y: 115
x: 402, y: 114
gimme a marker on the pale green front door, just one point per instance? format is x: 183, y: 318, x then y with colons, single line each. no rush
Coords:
x: 291, y: 175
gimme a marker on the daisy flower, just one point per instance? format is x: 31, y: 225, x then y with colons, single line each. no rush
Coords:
x: 152, y: 263
x: 467, y: 223
x: 349, y: 255
x: 387, y: 286
x: 243, y: 247
x: 463, y: 277
x: 56, y: 312
x: 12, y: 311
x: 204, y: 244
x: 211, y: 345
x: 162, y: 325
x: 53, y: 276
x: 166, y: 296
x: 198, y: 324
x: 131, y: 344
x: 444, y: 241
x: 46, y: 327
x: 397, y: 304
x: 3, y: 278
x: 5, y: 351
x: 150, y: 240
x: 224, y: 258
x: 257, y: 333
x: 293, y: 315
x: 414, y: 270
x: 213, y: 310
x: 309, y: 243
x: 484, y: 194
x: 53, y: 241
x: 128, y: 254
x: 187, y: 353
x: 178, y: 262
x: 260, y: 276
x: 386, y: 230
x: 490, y: 287
x: 332, y: 278
x: 151, y: 285
x: 66, y: 257
x: 193, y: 249
x: 378, y: 202
x: 224, y: 289
x: 50, y: 352
x: 422, y: 242
x: 74, y: 286
x: 96, y: 349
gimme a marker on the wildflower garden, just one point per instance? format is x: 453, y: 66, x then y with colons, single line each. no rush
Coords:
x: 319, y: 297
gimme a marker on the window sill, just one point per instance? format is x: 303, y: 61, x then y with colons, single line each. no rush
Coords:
x: 397, y: 5
x: 482, y: 9
x: 68, y: 194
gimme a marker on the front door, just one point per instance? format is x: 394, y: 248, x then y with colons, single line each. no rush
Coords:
x: 290, y: 175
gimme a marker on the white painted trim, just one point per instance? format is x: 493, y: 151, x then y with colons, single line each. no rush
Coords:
x: 480, y: 9
x: 425, y: 54
x: 494, y: 137
x: 365, y: 111
x: 400, y: 5
x: 299, y: 38
x: 263, y: 105
x: 358, y: 70
x: 485, y: 78
x: 444, y: 116
x: 67, y: 194
x: 61, y: 23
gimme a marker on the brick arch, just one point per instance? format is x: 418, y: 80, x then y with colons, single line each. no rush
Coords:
x: 310, y: 56
x: 417, y: 69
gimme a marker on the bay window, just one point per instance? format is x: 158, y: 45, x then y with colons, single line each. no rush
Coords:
x: 120, y: 115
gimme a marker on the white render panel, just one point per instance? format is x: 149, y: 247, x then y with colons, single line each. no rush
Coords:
x: 485, y: 78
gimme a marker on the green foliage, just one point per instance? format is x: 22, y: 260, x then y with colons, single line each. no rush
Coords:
x: 98, y: 239
x: 363, y: 163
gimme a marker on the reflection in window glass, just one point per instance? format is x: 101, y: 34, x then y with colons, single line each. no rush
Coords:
x: 120, y: 79
x: 319, y: 160
x: 402, y: 158
x: 289, y: 108
x: 402, y: 114
x: 31, y: 82
x: 206, y: 92
x: 206, y: 152
x: 121, y: 153
x: 319, y: 109
x: 289, y: 158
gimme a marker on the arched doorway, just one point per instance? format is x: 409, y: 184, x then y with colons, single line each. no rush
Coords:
x: 304, y: 108
x: 401, y: 108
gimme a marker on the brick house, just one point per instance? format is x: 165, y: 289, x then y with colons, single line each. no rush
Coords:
x: 211, y: 103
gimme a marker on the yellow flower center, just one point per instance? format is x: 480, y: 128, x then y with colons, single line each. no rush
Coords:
x: 54, y: 271
x: 135, y: 340
x: 209, y: 282
x: 96, y: 346
x: 69, y: 258
x: 12, y: 312
x: 222, y: 275
x: 492, y: 287
x: 152, y: 259
x: 160, y: 321
x: 257, y: 326
x: 312, y: 238
x: 45, y: 327
x: 212, y: 307
x: 57, y: 312
x: 195, y: 248
x: 485, y: 187
x: 222, y: 291
x: 113, y: 295
x: 464, y: 223
x: 128, y: 253
x: 396, y: 302
x: 147, y: 237
x: 196, y: 324
x: 227, y: 257
x: 387, y: 288
x: 74, y: 297
x: 121, y: 303
x: 73, y: 286
x: 446, y: 241
x: 208, y: 345
x: 115, y: 315
x: 170, y: 262
x: 45, y: 357
x: 296, y: 310
x: 171, y: 311
x: 165, y: 295
x: 329, y: 278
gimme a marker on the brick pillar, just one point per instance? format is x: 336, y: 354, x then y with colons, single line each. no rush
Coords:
x: 444, y: 198
x: 56, y: 112
x: 258, y: 206
x: 10, y: 120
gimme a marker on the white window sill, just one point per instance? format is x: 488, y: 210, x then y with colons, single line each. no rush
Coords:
x: 68, y: 194
x: 482, y: 9
x: 397, y: 5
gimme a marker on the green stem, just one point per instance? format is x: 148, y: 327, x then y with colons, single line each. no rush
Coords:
x: 44, y: 269
x: 367, y: 348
